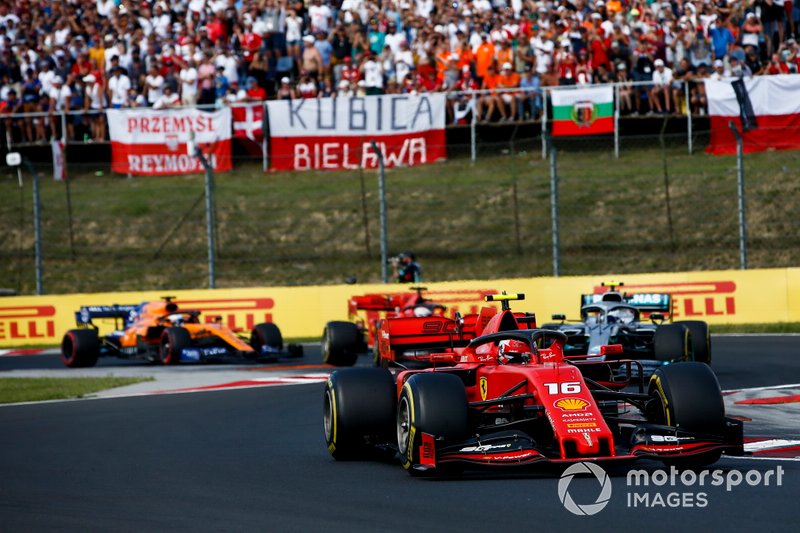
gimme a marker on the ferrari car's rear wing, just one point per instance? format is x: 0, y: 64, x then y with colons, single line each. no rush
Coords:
x: 422, y: 333
x: 374, y: 302
x: 650, y: 302
x: 85, y: 315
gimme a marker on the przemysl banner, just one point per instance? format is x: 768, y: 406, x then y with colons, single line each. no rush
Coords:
x: 154, y: 141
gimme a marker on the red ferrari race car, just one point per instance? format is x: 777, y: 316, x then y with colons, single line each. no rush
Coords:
x: 408, y: 342
x: 511, y: 398
x: 161, y: 332
x: 343, y: 341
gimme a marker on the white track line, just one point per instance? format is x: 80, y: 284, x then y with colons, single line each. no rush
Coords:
x: 771, y: 387
x: 755, y: 458
x: 770, y: 444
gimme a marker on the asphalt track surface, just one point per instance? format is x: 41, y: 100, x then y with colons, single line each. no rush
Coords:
x: 255, y: 460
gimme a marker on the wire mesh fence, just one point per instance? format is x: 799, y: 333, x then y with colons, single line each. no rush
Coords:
x: 654, y: 208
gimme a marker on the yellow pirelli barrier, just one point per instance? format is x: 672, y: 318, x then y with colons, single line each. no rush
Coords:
x: 732, y: 296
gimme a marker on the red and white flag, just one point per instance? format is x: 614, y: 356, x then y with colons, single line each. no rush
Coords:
x: 154, y: 141
x: 248, y: 122
x: 337, y: 133
x: 775, y: 103
x: 59, y: 161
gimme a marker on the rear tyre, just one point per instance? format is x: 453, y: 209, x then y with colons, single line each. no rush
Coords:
x: 672, y: 342
x: 433, y: 403
x: 340, y: 343
x: 358, y: 411
x: 269, y: 335
x: 80, y: 348
x: 688, y: 396
x: 701, y: 340
x: 173, y: 341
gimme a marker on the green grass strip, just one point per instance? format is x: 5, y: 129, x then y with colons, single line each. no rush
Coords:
x: 15, y: 390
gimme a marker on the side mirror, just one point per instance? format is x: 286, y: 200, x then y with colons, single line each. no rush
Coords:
x: 559, y: 317
x: 656, y: 317
x: 611, y: 349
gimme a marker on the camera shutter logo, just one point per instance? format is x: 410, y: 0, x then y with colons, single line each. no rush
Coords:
x: 590, y: 508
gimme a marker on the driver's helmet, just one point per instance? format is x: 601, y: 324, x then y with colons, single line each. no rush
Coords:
x: 422, y: 311
x: 514, y: 351
x: 176, y: 319
x: 622, y: 315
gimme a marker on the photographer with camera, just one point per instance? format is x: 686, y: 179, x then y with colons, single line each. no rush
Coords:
x: 406, y: 269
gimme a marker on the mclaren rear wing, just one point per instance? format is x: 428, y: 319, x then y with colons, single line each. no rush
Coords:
x: 87, y: 313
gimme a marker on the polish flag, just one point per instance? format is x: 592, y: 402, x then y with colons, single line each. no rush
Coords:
x: 775, y: 102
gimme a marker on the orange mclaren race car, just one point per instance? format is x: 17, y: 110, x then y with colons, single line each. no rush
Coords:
x: 161, y: 332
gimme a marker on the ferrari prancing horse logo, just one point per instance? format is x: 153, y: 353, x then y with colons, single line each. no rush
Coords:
x: 484, y: 386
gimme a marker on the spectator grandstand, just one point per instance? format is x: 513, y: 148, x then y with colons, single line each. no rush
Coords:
x: 89, y: 55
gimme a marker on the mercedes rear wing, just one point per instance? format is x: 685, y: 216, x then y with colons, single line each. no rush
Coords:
x: 649, y: 302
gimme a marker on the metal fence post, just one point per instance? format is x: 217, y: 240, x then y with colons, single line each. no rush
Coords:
x: 544, y: 123
x: 740, y: 179
x: 554, y: 211
x: 210, y: 222
x: 264, y: 141
x: 37, y: 227
x: 382, y: 199
x: 688, y: 117
x: 616, y: 121
x: 472, y: 134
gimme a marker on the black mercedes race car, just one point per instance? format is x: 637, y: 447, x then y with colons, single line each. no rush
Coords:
x: 639, y: 323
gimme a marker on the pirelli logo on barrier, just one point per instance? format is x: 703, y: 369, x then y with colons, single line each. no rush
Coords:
x: 27, y: 322
x: 693, y: 299
x: 236, y: 313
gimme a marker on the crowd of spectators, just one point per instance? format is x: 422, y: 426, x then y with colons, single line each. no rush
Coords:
x: 88, y: 55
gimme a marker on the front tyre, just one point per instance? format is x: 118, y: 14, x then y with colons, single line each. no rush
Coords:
x: 266, y: 339
x: 672, y: 342
x: 358, y: 411
x: 173, y: 341
x: 688, y: 396
x: 340, y: 343
x: 433, y: 403
x: 701, y: 340
x: 80, y: 348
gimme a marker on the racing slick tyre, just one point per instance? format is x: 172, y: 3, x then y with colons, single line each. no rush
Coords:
x: 687, y: 396
x: 173, y: 341
x: 269, y: 335
x: 672, y: 342
x: 701, y: 340
x: 358, y: 411
x: 340, y: 343
x: 433, y: 403
x: 80, y: 348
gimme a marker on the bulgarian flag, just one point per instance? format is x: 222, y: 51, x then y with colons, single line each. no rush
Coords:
x: 583, y: 111
x: 770, y: 105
